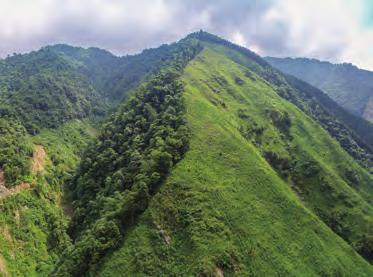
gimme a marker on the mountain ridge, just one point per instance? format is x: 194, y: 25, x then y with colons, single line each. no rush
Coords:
x: 208, y: 162
x: 158, y: 221
x: 347, y: 84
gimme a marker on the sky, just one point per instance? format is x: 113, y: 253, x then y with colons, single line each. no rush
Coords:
x: 333, y: 30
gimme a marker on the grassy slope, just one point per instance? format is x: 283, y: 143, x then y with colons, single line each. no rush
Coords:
x: 32, y: 224
x: 362, y: 128
x: 224, y: 208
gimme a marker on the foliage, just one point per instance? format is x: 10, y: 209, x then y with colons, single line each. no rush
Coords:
x: 357, y: 138
x: 137, y: 148
x: 44, y: 90
x: 346, y: 84
x: 215, y: 164
x: 353, y: 133
x: 33, y: 224
x: 225, y: 209
x: 15, y: 151
x: 47, y: 88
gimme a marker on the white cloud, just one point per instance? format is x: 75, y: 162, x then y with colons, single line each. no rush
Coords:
x: 118, y: 25
x: 23, y: 18
x: 326, y: 29
x: 239, y: 38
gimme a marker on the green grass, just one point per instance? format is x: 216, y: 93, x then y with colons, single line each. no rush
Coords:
x: 224, y: 207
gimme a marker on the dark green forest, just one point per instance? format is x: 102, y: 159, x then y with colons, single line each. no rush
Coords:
x: 138, y: 146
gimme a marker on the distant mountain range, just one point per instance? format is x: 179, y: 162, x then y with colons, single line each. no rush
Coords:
x: 346, y: 84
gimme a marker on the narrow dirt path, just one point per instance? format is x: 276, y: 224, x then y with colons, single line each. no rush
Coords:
x: 5, y: 192
x: 37, y: 165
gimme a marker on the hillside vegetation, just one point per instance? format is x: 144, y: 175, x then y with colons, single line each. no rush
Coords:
x: 349, y: 86
x: 49, y: 87
x: 249, y: 184
x: 192, y: 159
x: 32, y: 222
x: 54, y: 98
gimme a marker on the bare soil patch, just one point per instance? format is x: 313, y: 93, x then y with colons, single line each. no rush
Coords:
x: 38, y: 159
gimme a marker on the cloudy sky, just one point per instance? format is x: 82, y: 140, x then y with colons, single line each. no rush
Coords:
x: 335, y: 30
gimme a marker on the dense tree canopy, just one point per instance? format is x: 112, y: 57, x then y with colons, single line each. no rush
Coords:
x: 15, y: 151
x: 120, y: 172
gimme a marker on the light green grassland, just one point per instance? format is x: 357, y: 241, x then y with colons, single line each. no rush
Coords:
x: 224, y: 208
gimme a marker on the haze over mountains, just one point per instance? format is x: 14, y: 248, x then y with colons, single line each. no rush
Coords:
x: 349, y: 86
x: 192, y: 159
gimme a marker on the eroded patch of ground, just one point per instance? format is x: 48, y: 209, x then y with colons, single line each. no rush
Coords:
x: 38, y: 159
x: 37, y: 165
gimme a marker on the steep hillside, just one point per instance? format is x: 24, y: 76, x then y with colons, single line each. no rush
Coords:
x: 15, y: 152
x: 265, y: 187
x: 138, y: 146
x: 48, y: 101
x: 348, y: 85
x: 113, y: 75
x: 32, y: 222
x: 225, y: 209
x: 42, y: 96
x: 355, y: 135
x: 42, y: 89
x: 215, y: 164
x: 45, y: 88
